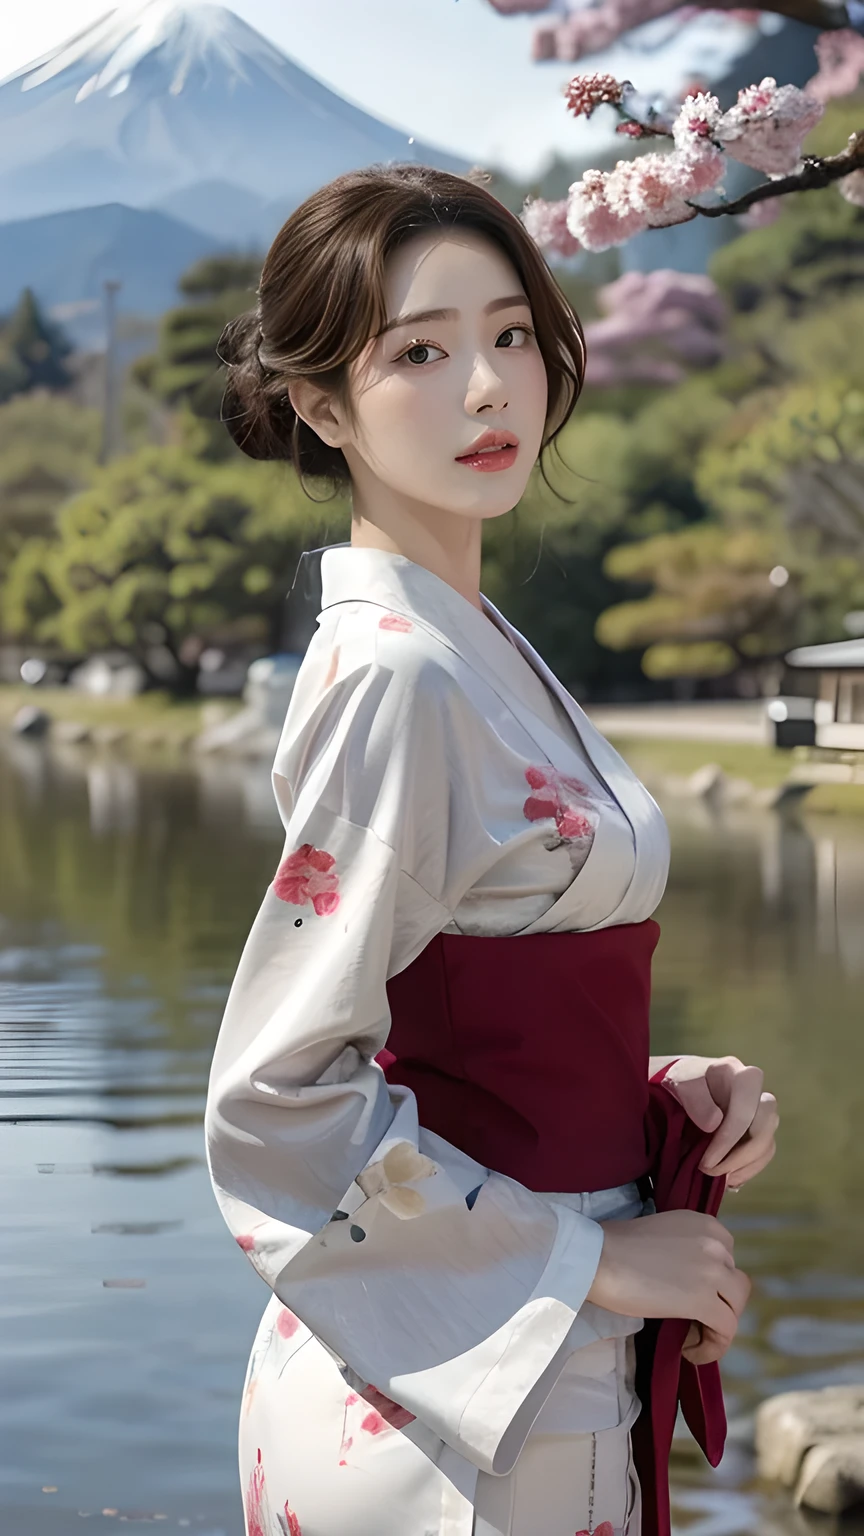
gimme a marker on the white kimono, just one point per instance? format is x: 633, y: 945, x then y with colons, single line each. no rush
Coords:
x: 441, y: 1373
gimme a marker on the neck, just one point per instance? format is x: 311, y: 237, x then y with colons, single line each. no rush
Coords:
x: 449, y: 546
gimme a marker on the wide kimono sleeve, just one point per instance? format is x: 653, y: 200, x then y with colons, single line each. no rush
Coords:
x: 451, y: 1288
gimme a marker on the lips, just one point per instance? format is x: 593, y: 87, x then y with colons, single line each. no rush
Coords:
x: 490, y: 441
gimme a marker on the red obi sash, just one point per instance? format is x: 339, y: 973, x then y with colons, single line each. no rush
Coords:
x: 531, y: 1055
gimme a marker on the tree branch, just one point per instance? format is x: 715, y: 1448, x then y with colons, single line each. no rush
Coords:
x: 816, y: 172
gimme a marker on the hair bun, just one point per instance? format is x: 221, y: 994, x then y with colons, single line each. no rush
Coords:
x: 255, y: 406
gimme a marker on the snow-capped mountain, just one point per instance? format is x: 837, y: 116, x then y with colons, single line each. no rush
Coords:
x: 163, y: 97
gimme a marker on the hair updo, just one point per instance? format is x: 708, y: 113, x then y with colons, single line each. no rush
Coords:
x: 321, y: 298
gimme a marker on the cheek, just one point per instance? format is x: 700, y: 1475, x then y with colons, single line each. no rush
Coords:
x: 403, y: 419
x: 534, y: 385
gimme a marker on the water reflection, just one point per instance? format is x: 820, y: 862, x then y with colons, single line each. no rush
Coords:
x: 126, y: 892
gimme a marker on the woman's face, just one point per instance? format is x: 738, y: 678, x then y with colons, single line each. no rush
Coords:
x: 426, y: 390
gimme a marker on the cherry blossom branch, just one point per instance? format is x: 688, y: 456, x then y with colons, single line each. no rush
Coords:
x: 585, y: 29
x: 816, y: 172
x: 764, y: 130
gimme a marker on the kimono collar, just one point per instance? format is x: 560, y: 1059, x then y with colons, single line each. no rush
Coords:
x: 356, y: 574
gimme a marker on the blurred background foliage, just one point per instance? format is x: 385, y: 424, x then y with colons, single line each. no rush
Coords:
x: 693, y: 529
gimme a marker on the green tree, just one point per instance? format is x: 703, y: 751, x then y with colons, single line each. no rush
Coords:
x: 48, y: 451
x: 32, y: 350
x: 783, y: 480
x: 167, y: 549
x: 184, y: 369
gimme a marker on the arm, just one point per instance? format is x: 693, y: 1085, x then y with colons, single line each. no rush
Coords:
x: 353, y: 1214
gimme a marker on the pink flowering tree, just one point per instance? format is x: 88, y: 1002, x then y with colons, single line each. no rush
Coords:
x: 764, y: 130
x: 572, y: 30
x: 655, y: 327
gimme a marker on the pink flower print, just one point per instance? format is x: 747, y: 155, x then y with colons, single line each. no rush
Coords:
x: 289, y: 1522
x: 287, y: 1324
x: 604, y: 1529
x: 396, y: 622
x: 306, y: 875
x: 386, y: 1410
x: 246, y: 1241
x: 257, y: 1510
x: 553, y: 795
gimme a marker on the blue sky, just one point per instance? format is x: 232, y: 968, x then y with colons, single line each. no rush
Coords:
x: 451, y: 72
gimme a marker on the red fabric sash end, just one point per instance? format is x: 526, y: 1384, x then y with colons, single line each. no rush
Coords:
x: 663, y: 1378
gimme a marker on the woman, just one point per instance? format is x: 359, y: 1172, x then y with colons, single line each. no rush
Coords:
x: 402, y: 1133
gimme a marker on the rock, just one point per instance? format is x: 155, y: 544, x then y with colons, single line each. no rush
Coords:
x: 832, y: 1475
x: 30, y: 720
x: 707, y: 783
x: 70, y: 732
x: 789, y: 1425
x: 738, y: 792
x: 108, y: 735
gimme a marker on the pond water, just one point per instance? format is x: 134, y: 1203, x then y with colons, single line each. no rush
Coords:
x: 126, y: 892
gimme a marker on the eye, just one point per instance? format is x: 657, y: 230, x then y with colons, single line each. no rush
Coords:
x: 512, y: 330
x: 419, y: 346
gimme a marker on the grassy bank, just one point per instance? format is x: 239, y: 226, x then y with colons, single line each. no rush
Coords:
x: 146, y: 714
x: 762, y: 766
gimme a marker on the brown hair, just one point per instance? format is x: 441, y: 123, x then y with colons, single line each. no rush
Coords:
x: 321, y: 299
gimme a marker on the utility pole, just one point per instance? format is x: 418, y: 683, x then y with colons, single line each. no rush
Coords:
x: 111, y: 402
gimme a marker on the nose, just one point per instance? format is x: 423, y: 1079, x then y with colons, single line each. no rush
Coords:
x: 486, y: 390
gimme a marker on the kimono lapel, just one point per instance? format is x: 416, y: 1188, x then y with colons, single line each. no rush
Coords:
x: 398, y: 585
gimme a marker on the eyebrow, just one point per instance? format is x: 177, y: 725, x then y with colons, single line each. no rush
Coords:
x: 417, y: 315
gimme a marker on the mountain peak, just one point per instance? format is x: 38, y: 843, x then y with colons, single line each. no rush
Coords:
x: 184, y: 33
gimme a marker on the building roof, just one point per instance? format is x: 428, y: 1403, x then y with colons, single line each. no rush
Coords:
x: 838, y: 654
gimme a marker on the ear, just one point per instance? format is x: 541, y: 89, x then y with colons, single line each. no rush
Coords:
x: 318, y: 409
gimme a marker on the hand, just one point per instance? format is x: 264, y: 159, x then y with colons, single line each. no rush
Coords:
x: 675, y: 1264
x: 722, y: 1095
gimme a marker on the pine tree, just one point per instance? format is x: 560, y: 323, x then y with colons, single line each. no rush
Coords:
x: 32, y: 350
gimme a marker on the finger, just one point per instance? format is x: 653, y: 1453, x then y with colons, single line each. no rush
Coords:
x: 742, y: 1176
x: 718, y: 1319
x: 710, y: 1347
x: 734, y: 1289
x: 695, y: 1096
x: 721, y: 1234
x: 694, y: 1337
x: 757, y: 1139
x: 743, y: 1101
x: 740, y: 1088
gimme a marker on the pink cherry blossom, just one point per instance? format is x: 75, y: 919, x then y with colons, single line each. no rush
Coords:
x: 392, y: 1413
x: 700, y: 168
x: 396, y: 622
x: 257, y: 1514
x: 852, y: 188
x: 841, y: 65
x: 547, y: 224
x: 762, y: 214
x: 766, y: 127
x: 287, y: 1324
x: 305, y: 875
x: 696, y: 121
x: 556, y: 795
x: 599, y: 215
x: 654, y: 326
x: 289, y: 1522
x: 592, y: 28
x: 587, y: 92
